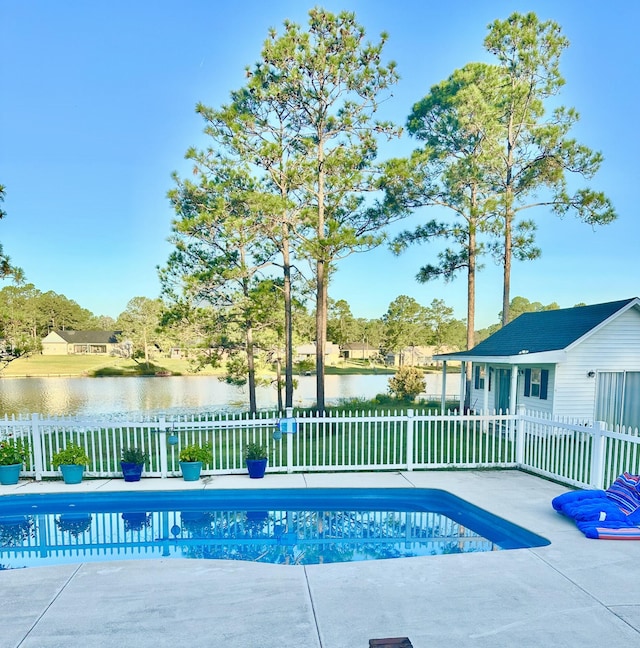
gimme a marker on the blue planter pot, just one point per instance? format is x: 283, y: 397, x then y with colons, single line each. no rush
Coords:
x: 191, y: 470
x: 71, y: 473
x: 10, y: 474
x: 131, y: 471
x: 256, y: 467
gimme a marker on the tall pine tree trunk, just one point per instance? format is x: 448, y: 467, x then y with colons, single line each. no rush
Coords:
x: 508, y: 227
x: 279, y: 383
x: 321, y: 283
x: 471, y: 306
x: 249, y: 350
x: 288, y: 325
x: 321, y: 332
x: 506, y: 276
x: 251, y: 368
x: 471, y: 274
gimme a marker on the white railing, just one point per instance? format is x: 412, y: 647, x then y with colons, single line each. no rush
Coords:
x: 576, y: 453
x: 582, y: 454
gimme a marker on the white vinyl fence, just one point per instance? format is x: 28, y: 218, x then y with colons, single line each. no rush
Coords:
x: 576, y: 454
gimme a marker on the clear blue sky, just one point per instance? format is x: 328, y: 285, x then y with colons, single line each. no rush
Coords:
x: 97, y: 109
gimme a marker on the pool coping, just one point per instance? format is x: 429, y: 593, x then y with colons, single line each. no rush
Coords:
x: 574, y: 591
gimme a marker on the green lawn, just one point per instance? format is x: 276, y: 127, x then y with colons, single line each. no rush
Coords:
x: 85, y: 365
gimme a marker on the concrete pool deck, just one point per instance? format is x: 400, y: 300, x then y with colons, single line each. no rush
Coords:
x: 574, y: 592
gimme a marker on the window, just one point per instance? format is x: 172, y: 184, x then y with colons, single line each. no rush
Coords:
x: 536, y: 382
x: 617, y: 401
x: 479, y: 377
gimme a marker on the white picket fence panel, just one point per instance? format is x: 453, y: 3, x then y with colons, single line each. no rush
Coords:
x: 576, y: 453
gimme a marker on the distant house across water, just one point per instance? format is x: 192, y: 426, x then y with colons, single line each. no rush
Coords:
x: 359, y: 351
x: 415, y: 356
x: 307, y: 352
x: 85, y: 343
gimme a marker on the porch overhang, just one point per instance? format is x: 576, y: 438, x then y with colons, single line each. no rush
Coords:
x: 522, y: 358
x: 515, y: 361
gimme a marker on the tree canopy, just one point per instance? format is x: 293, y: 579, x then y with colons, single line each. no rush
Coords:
x: 6, y: 268
x: 537, y: 153
x: 140, y: 323
x: 495, y: 144
x: 304, y: 122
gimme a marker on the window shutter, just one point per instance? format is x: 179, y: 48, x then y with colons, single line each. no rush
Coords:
x: 544, y: 382
x: 476, y: 377
x: 527, y: 382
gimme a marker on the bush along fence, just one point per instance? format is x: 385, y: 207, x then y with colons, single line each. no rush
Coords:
x: 583, y: 455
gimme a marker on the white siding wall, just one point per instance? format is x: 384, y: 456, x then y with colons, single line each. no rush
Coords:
x: 477, y: 399
x: 615, y: 347
x: 543, y: 406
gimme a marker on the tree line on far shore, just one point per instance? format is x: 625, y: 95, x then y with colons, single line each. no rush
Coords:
x: 27, y: 315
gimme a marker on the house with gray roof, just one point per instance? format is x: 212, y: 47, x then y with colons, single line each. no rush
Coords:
x: 358, y: 351
x: 580, y: 363
x: 85, y: 343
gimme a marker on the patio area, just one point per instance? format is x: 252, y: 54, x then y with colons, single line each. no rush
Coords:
x: 574, y: 592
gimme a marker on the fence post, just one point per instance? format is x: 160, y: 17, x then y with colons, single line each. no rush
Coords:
x: 162, y: 440
x: 36, y: 444
x: 410, y: 420
x: 597, y: 455
x: 520, y: 412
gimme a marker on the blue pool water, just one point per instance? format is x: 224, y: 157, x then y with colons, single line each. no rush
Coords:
x: 289, y: 526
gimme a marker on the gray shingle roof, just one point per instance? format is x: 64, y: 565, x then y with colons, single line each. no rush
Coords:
x: 542, y: 331
x: 358, y: 346
x: 89, y: 337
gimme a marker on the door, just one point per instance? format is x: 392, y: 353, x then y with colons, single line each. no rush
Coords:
x: 503, y: 389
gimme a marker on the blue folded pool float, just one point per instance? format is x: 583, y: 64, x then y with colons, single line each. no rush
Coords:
x: 612, y: 514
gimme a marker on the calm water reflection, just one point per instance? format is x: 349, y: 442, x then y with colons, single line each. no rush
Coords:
x: 60, y: 396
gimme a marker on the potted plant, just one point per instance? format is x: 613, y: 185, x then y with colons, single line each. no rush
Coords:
x: 191, y: 459
x: 255, y: 457
x: 132, y: 463
x: 12, y: 456
x: 72, y: 461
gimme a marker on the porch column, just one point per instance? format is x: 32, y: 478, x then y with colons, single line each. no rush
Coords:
x: 513, y: 392
x: 485, y: 391
x: 463, y: 384
x: 513, y: 395
x: 443, y: 393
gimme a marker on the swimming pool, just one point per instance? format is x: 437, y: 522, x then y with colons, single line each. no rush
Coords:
x: 285, y: 526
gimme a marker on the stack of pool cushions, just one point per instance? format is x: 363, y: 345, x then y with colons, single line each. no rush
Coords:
x: 613, y: 514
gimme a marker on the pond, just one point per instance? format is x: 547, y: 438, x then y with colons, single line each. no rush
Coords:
x: 59, y: 396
